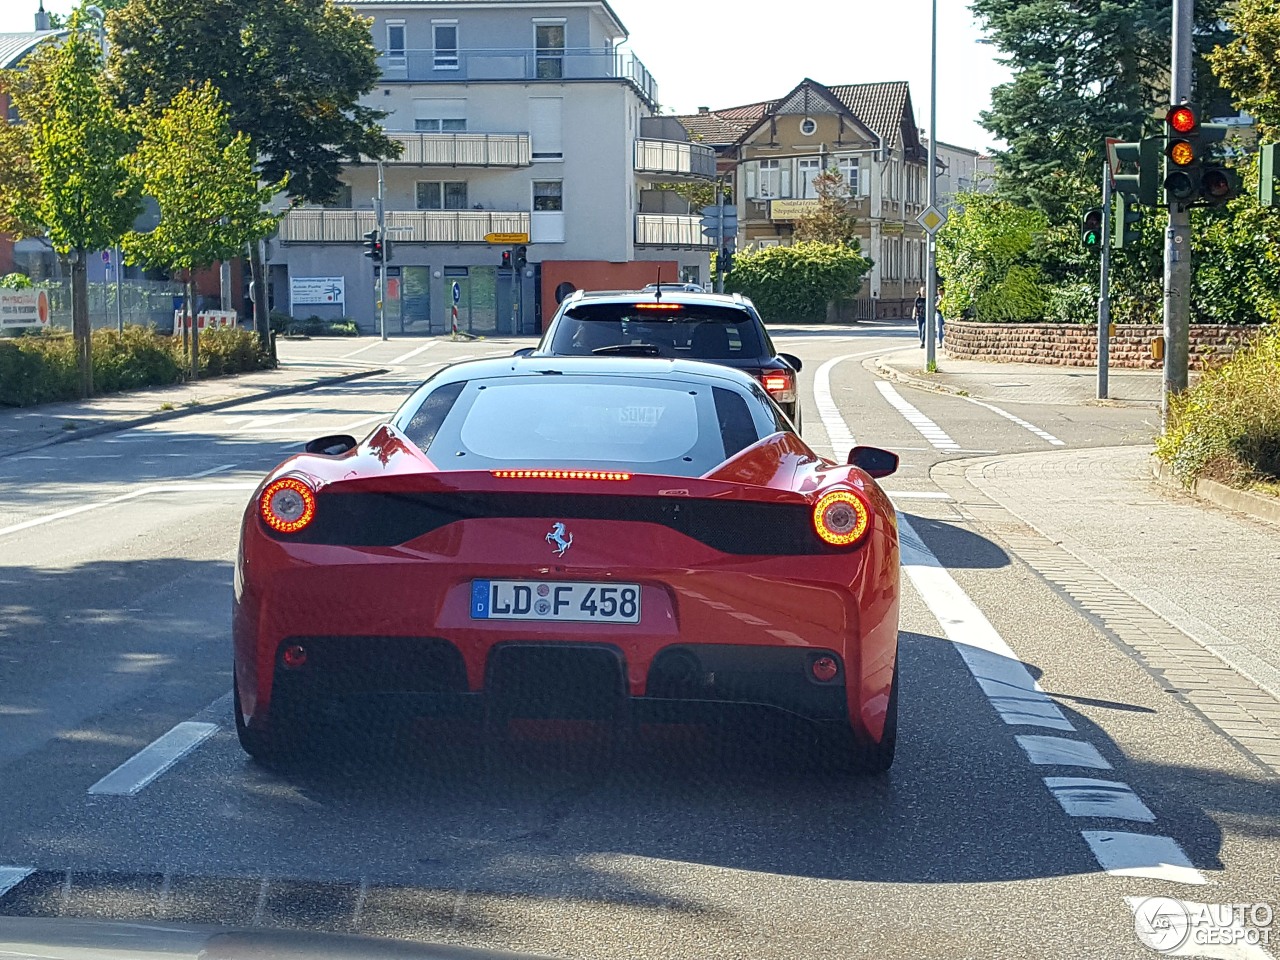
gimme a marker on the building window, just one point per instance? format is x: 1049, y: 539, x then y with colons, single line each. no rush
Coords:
x: 769, y: 186
x: 342, y: 199
x: 810, y: 168
x: 395, y: 42
x: 546, y: 127
x: 548, y: 196
x: 446, y: 195
x: 849, y: 170
x: 440, y: 116
x: 549, y: 43
x: 808, y: 126
x: 435, y: 125
x: 444, y: 44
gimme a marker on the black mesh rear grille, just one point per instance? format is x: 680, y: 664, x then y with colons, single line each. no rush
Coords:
x: 730, y: 526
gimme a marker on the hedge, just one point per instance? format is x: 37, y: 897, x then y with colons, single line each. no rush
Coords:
x: 42, y: 368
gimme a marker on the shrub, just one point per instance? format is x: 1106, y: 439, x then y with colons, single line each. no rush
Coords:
x: 37, y: 369
x: 15, y: 281
x: 137, y: 357
x: 1227, y: 426
x: 225, y: 350
x: 796, y: 283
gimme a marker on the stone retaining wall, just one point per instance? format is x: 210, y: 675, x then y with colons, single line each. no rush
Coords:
x: 1076, y: 345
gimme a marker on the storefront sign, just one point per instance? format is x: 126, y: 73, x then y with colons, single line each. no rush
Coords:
x: 303, y: 290
x: 24, y: 308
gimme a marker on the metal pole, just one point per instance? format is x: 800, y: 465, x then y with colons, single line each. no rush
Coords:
x: 119, y: 265
x: 1177, y: 247
x: 719, y: 235
x: 382, y: 241
x: 1104, y: 286
x: 931, y: 267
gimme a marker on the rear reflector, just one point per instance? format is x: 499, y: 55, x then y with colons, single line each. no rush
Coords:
x: 294, y: 656
x: 559, y: 475
x: 841, y: 518
x: 668, y: 307
x: 824, y: 669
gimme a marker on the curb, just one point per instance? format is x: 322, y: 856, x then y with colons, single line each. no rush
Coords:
x: 889, y: 373
x: 1241, y: 501
x: 119, y: 425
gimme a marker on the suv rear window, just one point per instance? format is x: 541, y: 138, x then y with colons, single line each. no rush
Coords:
x: 690, y: 331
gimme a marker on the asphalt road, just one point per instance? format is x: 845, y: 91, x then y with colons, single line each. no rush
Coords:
x: 1043, y: 776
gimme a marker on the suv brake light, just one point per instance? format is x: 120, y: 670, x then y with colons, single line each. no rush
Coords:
x: 780, y: 384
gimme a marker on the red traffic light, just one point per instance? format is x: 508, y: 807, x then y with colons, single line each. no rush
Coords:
x: 1182, y: 119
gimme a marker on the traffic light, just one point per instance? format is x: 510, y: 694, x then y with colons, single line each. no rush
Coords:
x: 1124, y: 224
x: 373, y: 246
x: 521, y: 257
x: 1268, y: 169
x: 386, y: 249
x: 725, y: 260
x: 1091, y: 229
x: 506, y: 259
x: 1193, y: 175
x: 1144, y: 184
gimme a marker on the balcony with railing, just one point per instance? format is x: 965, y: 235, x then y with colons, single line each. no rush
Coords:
x: 674, y: 160
x: 670, y: 230
x: 323, y: 225
x: 516, y: 63
x: 462, y: 149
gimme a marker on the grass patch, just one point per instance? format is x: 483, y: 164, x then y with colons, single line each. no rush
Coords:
x: 1227, y: 426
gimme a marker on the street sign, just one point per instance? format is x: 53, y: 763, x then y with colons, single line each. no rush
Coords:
x: 506, y: 238
x: 457, y: 292
x: 712, y: 212
x: 932, y: 220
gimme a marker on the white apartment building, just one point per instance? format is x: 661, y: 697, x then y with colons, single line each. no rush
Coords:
x: 516, y: 118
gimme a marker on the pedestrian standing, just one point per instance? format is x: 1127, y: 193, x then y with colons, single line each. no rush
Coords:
x: 937, y: 319
x: 918, y: 314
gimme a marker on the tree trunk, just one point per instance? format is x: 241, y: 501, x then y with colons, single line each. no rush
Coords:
x: 80, y: 322
x: 261, y: 309
x: 195, y: 325
x: 186, y: 323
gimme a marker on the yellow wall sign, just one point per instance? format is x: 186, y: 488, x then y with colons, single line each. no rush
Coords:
x: 790, y: 209
x: 506, y: 238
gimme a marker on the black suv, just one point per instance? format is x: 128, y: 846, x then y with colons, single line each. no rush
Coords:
x: 716, y: 328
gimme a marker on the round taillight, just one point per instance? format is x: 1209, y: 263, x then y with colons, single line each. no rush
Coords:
x: 294, y: 656
x: 287, y: 505
x: 824, y: 669
x: 841, y: 518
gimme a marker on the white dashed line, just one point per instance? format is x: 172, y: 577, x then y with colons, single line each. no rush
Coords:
x: 926, y: 427
x: 362, y: 422
x: 356, y: 353
x: 835, y: 425
x: 1140, y: 855
x: 131, y: 495
x: 1042, y: 434
x: 1061, y: 752
x: 10, y: 877
x: 405, y: 357
x: 1086, y: 797
x: 154, y: 759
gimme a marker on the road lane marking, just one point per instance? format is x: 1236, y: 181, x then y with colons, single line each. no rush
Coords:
x: 154, y: 759
x: 1061, y: 752
x: 1005, y: 680
x: 837, y: 428
x: 361, y: 422
x: 1087, y: 797
x: 926, y: 427
x: 10, y: 877
x: 131, y: 495
x: 356, y: 353
x: 1042, y: 434
x: 1141, y: 855
x: 406, y: 357
x: 210, y: 472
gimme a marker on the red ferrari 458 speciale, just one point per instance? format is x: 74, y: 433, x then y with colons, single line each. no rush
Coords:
x: 620, y: 539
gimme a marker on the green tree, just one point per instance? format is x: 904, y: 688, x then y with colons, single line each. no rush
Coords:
x: 291, y: 72
x: 57, y: 21
x: 205, y: 181
x: 1082, y: 71
x: 82, y: 196
x: 796, y: 283
x: 830, y: 221
x: 987, y: 256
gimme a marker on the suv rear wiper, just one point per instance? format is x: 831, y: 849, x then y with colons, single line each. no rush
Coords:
x: 630, y: 349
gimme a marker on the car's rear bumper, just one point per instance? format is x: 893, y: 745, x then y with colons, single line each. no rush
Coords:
x: 720, y: 629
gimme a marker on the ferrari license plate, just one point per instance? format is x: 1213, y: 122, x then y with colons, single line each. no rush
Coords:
x: 555, y: 600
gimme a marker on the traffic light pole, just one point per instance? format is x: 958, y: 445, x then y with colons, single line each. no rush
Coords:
x: 1177, y: 246
x: 382, y: 267
x: 931, y: 256
x: 1104, y: 287
x: 720, y: 238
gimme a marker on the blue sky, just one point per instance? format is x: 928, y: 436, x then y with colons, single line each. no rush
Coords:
x: 719, y: 54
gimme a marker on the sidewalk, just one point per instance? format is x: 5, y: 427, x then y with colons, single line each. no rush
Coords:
x: 1020, y: 382
x: 1190, y: 590
x: 28, y: 428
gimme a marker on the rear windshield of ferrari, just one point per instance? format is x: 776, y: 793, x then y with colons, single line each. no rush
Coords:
x: 644, y: 425
x: 693, y: 331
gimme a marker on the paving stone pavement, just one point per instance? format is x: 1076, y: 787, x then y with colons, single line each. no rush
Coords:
x: 1188, y: 590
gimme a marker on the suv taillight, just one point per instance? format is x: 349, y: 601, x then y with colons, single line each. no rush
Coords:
x: 780, y: 384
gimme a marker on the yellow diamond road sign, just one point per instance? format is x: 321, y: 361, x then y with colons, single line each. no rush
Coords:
x: 932, y: 220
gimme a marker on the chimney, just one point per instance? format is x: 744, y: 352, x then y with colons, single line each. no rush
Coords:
x: 704, y: 109
x: 42, y: 18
